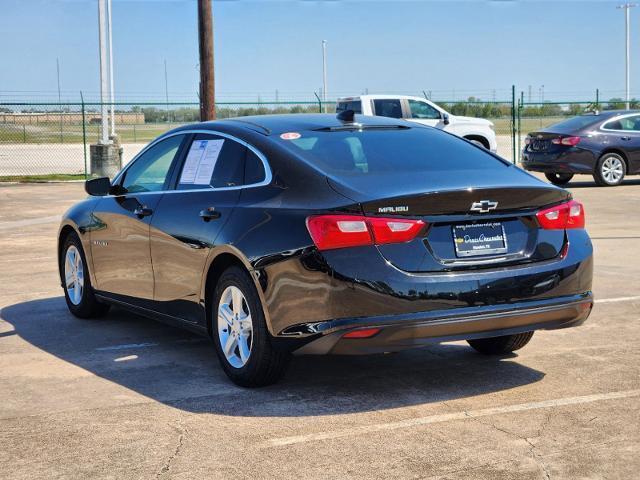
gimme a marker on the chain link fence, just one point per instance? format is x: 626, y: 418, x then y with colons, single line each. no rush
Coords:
x: 51, y: 140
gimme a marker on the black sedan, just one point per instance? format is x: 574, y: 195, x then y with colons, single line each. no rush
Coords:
x: 316, y: 234
x: 605, y: 145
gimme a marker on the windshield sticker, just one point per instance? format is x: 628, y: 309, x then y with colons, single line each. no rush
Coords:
x: 290, y: 136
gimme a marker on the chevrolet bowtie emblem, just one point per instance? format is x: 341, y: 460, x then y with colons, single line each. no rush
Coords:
x: 483, y: 206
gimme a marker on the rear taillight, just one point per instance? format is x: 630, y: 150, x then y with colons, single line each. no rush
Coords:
x: 567, y: 141
x: 340, y: 231
x: 560, y: 217
x: 527, y: 140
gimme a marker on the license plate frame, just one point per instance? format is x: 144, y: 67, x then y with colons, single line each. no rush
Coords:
x: 479, y: 239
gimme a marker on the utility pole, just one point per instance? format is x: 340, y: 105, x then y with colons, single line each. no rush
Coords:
x: 166, y: 91
x: 207, y: 79
x: 627, y: 82
x: 324, y: 74
x: 59, y: 97
x: 111, y: 92
x: 102, y: 27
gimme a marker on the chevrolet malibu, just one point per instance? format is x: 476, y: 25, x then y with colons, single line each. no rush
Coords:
x: 316, y: 234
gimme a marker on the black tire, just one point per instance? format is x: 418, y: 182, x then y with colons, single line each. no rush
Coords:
x: 479, y: 142
x: 88, y: 306
x: 599, y: 173
x: 266, y: 364
x: 559, y: 178
x: 501, y: 345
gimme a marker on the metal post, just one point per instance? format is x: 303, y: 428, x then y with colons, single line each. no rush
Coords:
x: 520, y: 106
x: 513, y: 123
x: 319, y: 102
x: 166, y: 92
x: 324, y: 74
x: 111, y: 91
x: 84, y: 136
x: 104, y: 134
x: 627, y: 49
x: 207, y: 83
x: 59, y: 97
x: 597, y: 99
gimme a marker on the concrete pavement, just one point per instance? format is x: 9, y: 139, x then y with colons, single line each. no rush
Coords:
x: 126, y: 397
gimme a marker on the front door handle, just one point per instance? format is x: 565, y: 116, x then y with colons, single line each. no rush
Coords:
x: 209, y: 214
x: 625, y: 138
x: 142, y: 211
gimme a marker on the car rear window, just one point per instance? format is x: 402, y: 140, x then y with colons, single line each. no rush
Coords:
x: 576, y: 123
x: 389, y: 150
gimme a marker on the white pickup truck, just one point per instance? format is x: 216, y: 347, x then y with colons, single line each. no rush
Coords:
x: 417, y: 109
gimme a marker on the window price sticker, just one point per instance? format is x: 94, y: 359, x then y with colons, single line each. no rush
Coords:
x: 201, y: 161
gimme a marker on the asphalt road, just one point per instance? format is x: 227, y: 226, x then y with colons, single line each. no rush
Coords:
x: 125, y: 397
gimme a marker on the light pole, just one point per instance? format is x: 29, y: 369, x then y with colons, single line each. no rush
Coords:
x: 627, y: 82
x: 324, y: 74
x: 102, y: 27
x: 166, y: 91
x: 111, y: 92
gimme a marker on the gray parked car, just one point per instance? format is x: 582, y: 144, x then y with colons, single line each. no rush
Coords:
x: 605, y: 145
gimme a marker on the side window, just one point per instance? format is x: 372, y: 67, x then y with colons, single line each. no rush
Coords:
x: 253, y: 169
x: 423, y: 110
x: 634, y: 123
x: 212, y: 161
x: 387, y: 108
x: 355, y: 105
x: 149, y: 172
x: 615, y: 125
x: 627, y: 123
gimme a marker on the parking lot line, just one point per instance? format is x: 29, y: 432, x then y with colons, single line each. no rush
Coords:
x: 10, y: 225
x: 618, y: 299
x: 447, y: 417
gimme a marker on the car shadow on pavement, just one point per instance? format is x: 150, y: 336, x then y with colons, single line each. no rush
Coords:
x: 180, y: 369
x: 592, y: 184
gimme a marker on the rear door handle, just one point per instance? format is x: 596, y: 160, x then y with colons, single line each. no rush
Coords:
x: 142, y: 211
x: 625, y: 138
x: 209, y: 214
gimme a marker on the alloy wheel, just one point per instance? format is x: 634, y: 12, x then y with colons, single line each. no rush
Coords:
x: 235, y: 327
x: 74, y: 275
x: 612, y: 170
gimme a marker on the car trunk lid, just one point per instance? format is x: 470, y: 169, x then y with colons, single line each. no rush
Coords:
x: 489, y: 225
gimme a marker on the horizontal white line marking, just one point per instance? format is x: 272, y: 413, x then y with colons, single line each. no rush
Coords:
x: 618, y: 299
x: 447, y: 417
x: 29, y: 222
x: 127, y: 358
x: 126, y: 346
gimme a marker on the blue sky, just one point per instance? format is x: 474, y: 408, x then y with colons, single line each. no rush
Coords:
x: 453, y: 48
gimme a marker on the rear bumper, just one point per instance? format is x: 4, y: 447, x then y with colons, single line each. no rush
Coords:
x: 399, y: 332
x: 570, y: 161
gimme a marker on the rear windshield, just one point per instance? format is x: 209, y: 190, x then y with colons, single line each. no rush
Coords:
x: 392, y: 150
x: 575, y: 123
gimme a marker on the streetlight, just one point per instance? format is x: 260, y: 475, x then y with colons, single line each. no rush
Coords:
x: 324, y: 74
x: 102, y: 33
x: 111, y: 93
x: 626, y: 8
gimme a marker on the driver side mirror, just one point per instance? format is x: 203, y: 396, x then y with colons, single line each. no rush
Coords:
x: 445, y: 118
x: 98, y: 187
